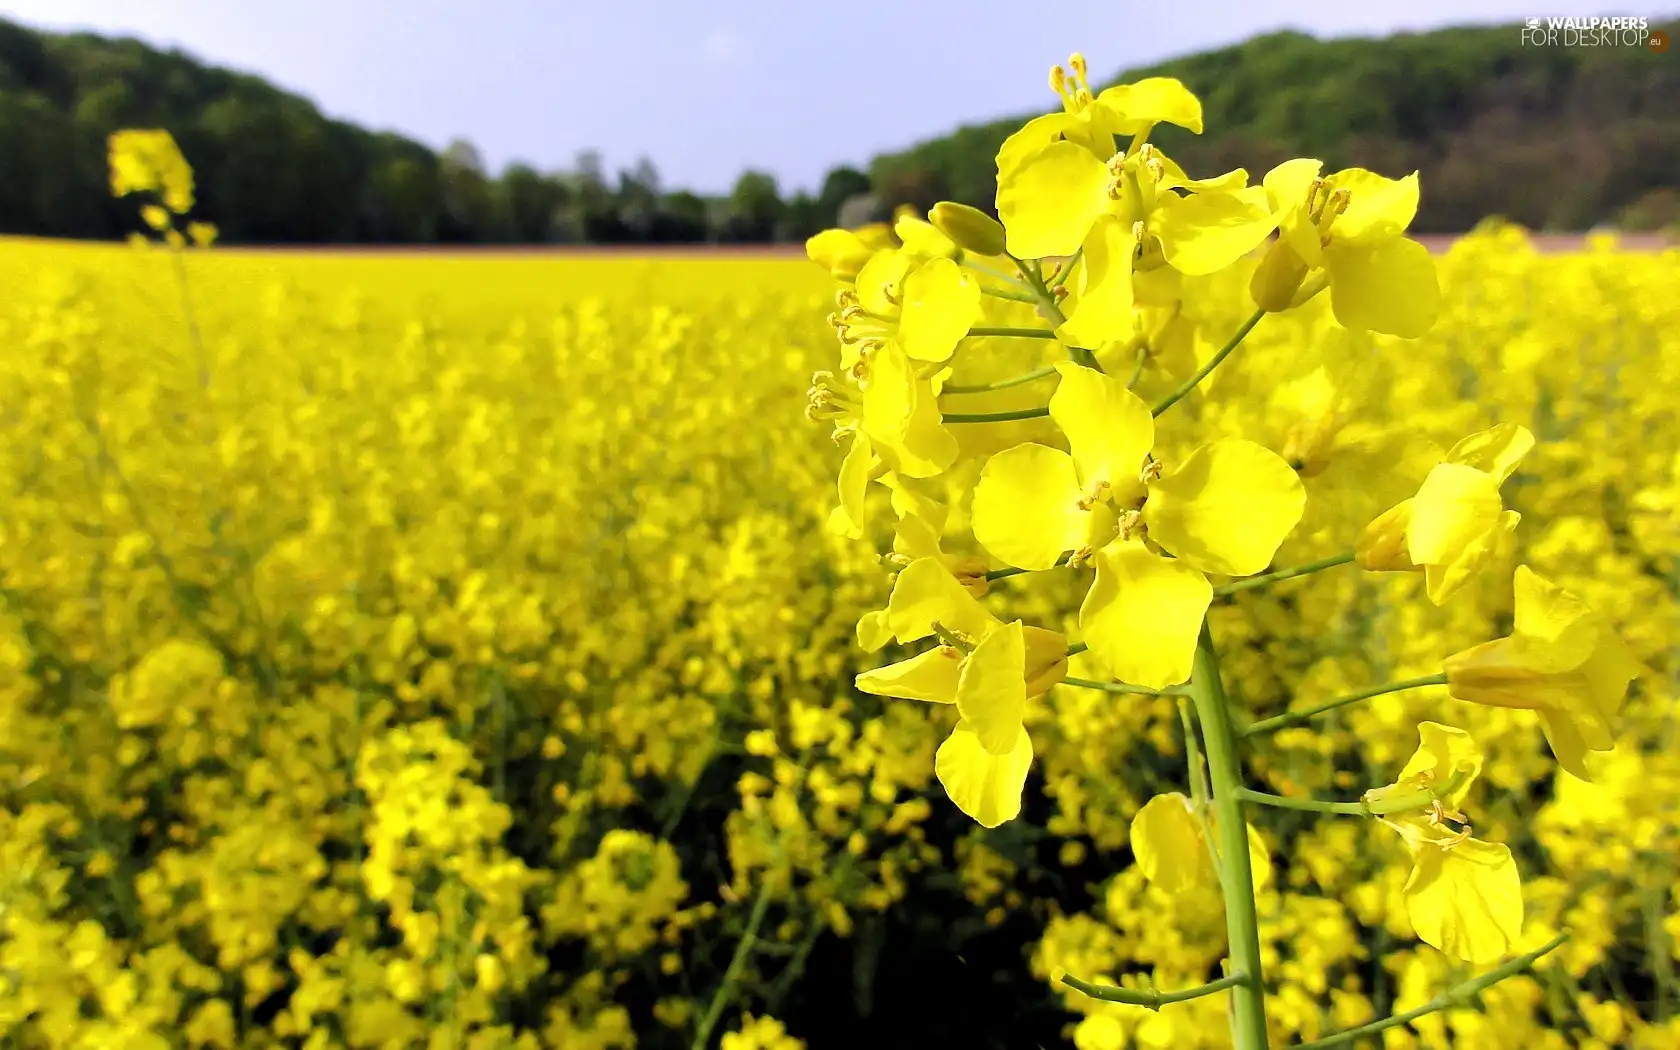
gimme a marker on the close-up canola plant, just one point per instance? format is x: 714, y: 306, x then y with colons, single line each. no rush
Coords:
x: 1209, y: 617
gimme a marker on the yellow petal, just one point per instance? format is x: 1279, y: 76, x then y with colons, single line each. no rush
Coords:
x: 1138, y: 107
x: 1286, y: 185
x: 1026, y: 506
x: 872, y: 631
x: 1443, y: 751
x: 915, y: 537
x: 1099, y: 310
x: 1034, y: 136
x: 1143, y: 614
x: 1049, y: 201
x: 923, y: 238
x: 941, y: 303
x: 1466, y: 900
x: 925, y: 593
x: 1378, y: 208
x: 992, y: 691
x: 1206, y: 232
x: 1108, y: 427
x: 1607, y: 673
x: 1570, y: 738
x: 901, y: 417
x: 930, y: 676
x: 1047, y: 659
x: 985, y: 786
x: 1442, y: 581
x: 850, y: 518
x: 907, y: 502
x: 1259, y: 859
x: 1227, y: 508
x: 1170, y: 848
x: 1496, y: 450
x: 1387, y: 287
x: 1173, y: 177
x: 1455, y: 506
x: 1545, y: 613
x: 841, y: 251
x: 880, y: 282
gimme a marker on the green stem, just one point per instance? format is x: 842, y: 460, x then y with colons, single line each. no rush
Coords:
x: 1213, y: 362
x: 1052, y: 312
x: 1076, y: 648
x: 1067, y: 268
x: 1287, y: 574
x: 1011, y: 295
x: 992, y: 272
x: 1044, y: 299
x: 1456, y: 996
x: 1122, y: 687
x: 192, y: 318
x: 1301, y: 717
x: 1137, y: 366
x: 1012, y: 333
x: 1002, y: 384
x: 1151, y: 999
x: 737, y: 963
x: 1421, y: 798
x: 1200, y: 794
x: 1242, y: 921
x: 995, y: 417
x: 1196, y: 768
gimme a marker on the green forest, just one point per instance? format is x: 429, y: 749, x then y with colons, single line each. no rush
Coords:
x: 1552, y: 138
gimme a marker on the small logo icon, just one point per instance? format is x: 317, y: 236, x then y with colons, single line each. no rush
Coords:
x: 1659, y: 41
x: 1534, y: 23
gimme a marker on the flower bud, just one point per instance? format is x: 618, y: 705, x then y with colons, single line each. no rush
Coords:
x: 972, y: 229
x: 1382, y: 546
x: 922, y: 238
x: 841, y: 251
x: 1047, y: 661
x: 1278, y: 277
x: 971, y: 573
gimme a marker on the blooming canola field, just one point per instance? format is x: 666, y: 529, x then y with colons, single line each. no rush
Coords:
x: 462, y: 651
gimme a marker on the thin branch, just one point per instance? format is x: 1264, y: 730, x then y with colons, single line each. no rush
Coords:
x: 1151, y: 999
x: 1213, y: 362
x: 1295, y: 718
x: 1457, y: 996
x: 1122, y: 687
x: 1287, y: 574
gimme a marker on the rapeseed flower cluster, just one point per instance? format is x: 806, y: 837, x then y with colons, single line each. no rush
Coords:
x: 1097, y: 230
x: 461, y: 652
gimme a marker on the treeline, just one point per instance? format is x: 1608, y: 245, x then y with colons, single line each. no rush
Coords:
x: 271, y: 168
x: 1561, y: 138
x: 1551, y: 137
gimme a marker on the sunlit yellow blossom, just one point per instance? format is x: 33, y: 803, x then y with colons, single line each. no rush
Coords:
x: 1562, y: 661
x: 1464, y: 896
x: 1224, y: 510
x: 1351, y: 224
x: 987, y: 669
x: 148, y: 161
x: 1456, y: 522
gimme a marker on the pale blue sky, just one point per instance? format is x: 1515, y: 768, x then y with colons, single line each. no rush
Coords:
x: 707, y: 89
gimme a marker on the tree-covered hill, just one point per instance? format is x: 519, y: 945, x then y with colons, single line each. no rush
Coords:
x: 1551, y: 137
x: 270, y: 167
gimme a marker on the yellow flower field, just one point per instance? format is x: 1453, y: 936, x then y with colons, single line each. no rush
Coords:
x: 459, y: 652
